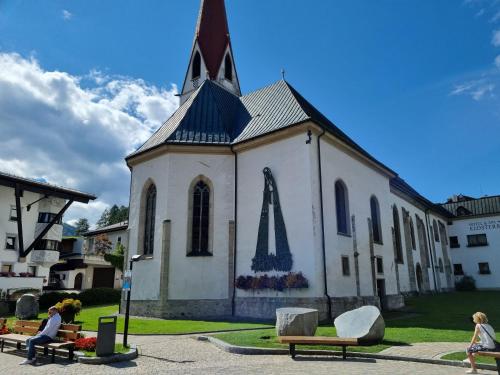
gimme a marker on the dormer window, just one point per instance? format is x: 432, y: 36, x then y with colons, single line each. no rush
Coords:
x: 228, y: 68
x: 196, y: 66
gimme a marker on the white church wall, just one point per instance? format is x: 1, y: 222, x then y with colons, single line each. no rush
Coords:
x: 146, y: 273
x: 362, y: 182
x: 289, y: 161
x: 470, y: 257
x: 204, y: 277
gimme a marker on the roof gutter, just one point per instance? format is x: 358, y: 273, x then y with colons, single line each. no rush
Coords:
x: 323, y: 246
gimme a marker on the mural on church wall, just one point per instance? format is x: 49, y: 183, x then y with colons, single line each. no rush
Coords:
x: 264, y: 261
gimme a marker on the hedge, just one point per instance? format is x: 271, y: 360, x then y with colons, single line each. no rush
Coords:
x: 89, y: 297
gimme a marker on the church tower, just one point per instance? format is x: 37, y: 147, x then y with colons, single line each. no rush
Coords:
x: 211, y: 55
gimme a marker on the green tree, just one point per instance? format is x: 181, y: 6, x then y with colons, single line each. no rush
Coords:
x: 115, y: 214
x: 82, y: 226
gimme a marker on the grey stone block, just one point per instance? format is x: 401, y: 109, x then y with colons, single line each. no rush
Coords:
x: 296, y: 321
x: 365, y: 324
x: 27, y: 307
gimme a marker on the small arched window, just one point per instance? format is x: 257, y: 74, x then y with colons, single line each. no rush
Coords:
x: 200, y: 222
x: 436, y: 230
x: 228, y: 68
x: 196, y: 72
x: 149, y: 220
x: 397, y: 234
x: 342, y: 207
x: 412, y: 235
x: 375, y: 213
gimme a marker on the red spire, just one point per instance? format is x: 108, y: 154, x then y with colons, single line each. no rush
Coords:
x: 212, y: 34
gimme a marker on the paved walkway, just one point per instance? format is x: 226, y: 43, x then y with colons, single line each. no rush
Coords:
x: 427, y: 350
x: 185, y: 355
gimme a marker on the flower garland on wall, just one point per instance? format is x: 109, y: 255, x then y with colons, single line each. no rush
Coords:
x: 280, y: 283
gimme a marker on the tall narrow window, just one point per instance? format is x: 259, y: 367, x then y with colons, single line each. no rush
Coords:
x: 412, y: 234
x: 342, y: 207
x: 375, y: 212
x: 149, y: 222
x: 397, y: 235
x: 436, y: 230
x: 196, y: 66
x: 200, y: 224
x: 228, y: 68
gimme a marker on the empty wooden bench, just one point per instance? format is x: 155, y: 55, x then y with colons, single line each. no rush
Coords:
x: 495, y: 355
x: 66, y: 336
x: 318, y: 340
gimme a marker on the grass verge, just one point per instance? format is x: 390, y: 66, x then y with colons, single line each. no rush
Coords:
x: 432, y: 318
x: 460, y: 356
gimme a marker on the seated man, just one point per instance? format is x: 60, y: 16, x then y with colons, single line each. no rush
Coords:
x: 48, y: 334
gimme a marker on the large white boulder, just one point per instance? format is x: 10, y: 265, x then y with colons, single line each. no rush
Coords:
x: 296, y: 321
x: 365, y: 324
x: 27, y: 307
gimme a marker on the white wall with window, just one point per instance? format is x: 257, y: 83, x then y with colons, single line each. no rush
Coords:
x: 475, y: 249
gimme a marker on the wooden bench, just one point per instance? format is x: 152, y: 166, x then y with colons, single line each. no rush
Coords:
x: 495, y: 355
x: 318, y: 340
x: 66, y: 335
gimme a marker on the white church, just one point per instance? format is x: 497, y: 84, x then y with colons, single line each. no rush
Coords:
x: 243, y: 203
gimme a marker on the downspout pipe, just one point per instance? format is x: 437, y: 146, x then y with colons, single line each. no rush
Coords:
x: 430, y: 248
x: 323, y: 247
x: 233, y: 297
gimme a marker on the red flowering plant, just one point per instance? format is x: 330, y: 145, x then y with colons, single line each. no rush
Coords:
x: 87, y: 344
x: 4, y: 330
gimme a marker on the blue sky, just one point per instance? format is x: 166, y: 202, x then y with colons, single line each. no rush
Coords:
x: 413, y: 82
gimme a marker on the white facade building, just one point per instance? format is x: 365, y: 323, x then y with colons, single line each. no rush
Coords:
x: 31, y: 230
x: 475, y: 239
x: 242, y: 204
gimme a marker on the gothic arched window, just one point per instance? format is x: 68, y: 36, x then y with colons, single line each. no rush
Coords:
x: 149, y: 220
x: 436, y: 230
x: 342, y: 207
x: 375, y: 213
x: 412, y: 234
x: 228, y: 68
x: 200, y: 219
x: 397, y: 235
x: 196, y: 65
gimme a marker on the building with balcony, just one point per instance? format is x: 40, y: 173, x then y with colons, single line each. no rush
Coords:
x: 31, y: 230
x: 82, y: 264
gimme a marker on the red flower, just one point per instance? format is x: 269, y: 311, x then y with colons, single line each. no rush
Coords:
x: 87, y: 344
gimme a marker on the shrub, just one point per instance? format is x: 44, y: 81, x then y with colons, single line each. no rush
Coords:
x: 70, y: 306
x: 466, y: 283
x: 89, y: 297
x: 87, y: 344
x: 290, y: 280
x: 4, y: 330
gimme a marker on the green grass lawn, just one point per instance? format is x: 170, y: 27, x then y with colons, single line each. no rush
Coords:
x: 88, y: 318
x: 437, y: 318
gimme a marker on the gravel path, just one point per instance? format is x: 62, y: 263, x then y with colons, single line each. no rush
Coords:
x: 185, y: 355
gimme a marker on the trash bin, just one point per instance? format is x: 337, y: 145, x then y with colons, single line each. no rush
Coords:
x: 106, y: 334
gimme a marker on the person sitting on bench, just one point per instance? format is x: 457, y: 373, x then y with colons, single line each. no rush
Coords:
x: 48, y: 334
x: 486, y: 335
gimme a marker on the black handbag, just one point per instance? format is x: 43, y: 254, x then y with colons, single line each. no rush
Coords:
x: 497, y: 344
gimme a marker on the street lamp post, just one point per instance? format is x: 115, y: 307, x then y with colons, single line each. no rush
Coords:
x: 134, y: 258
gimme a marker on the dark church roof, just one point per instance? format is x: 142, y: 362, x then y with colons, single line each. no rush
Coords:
x: 213, y: 115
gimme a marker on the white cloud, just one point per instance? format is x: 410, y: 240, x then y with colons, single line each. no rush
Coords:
x: 75, y: 131
x: 66, y: 15
x: 497, y: 61
x: 495, y: 40
x: 477, y: 89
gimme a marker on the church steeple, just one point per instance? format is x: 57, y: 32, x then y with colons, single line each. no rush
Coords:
x: 211, y: 56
